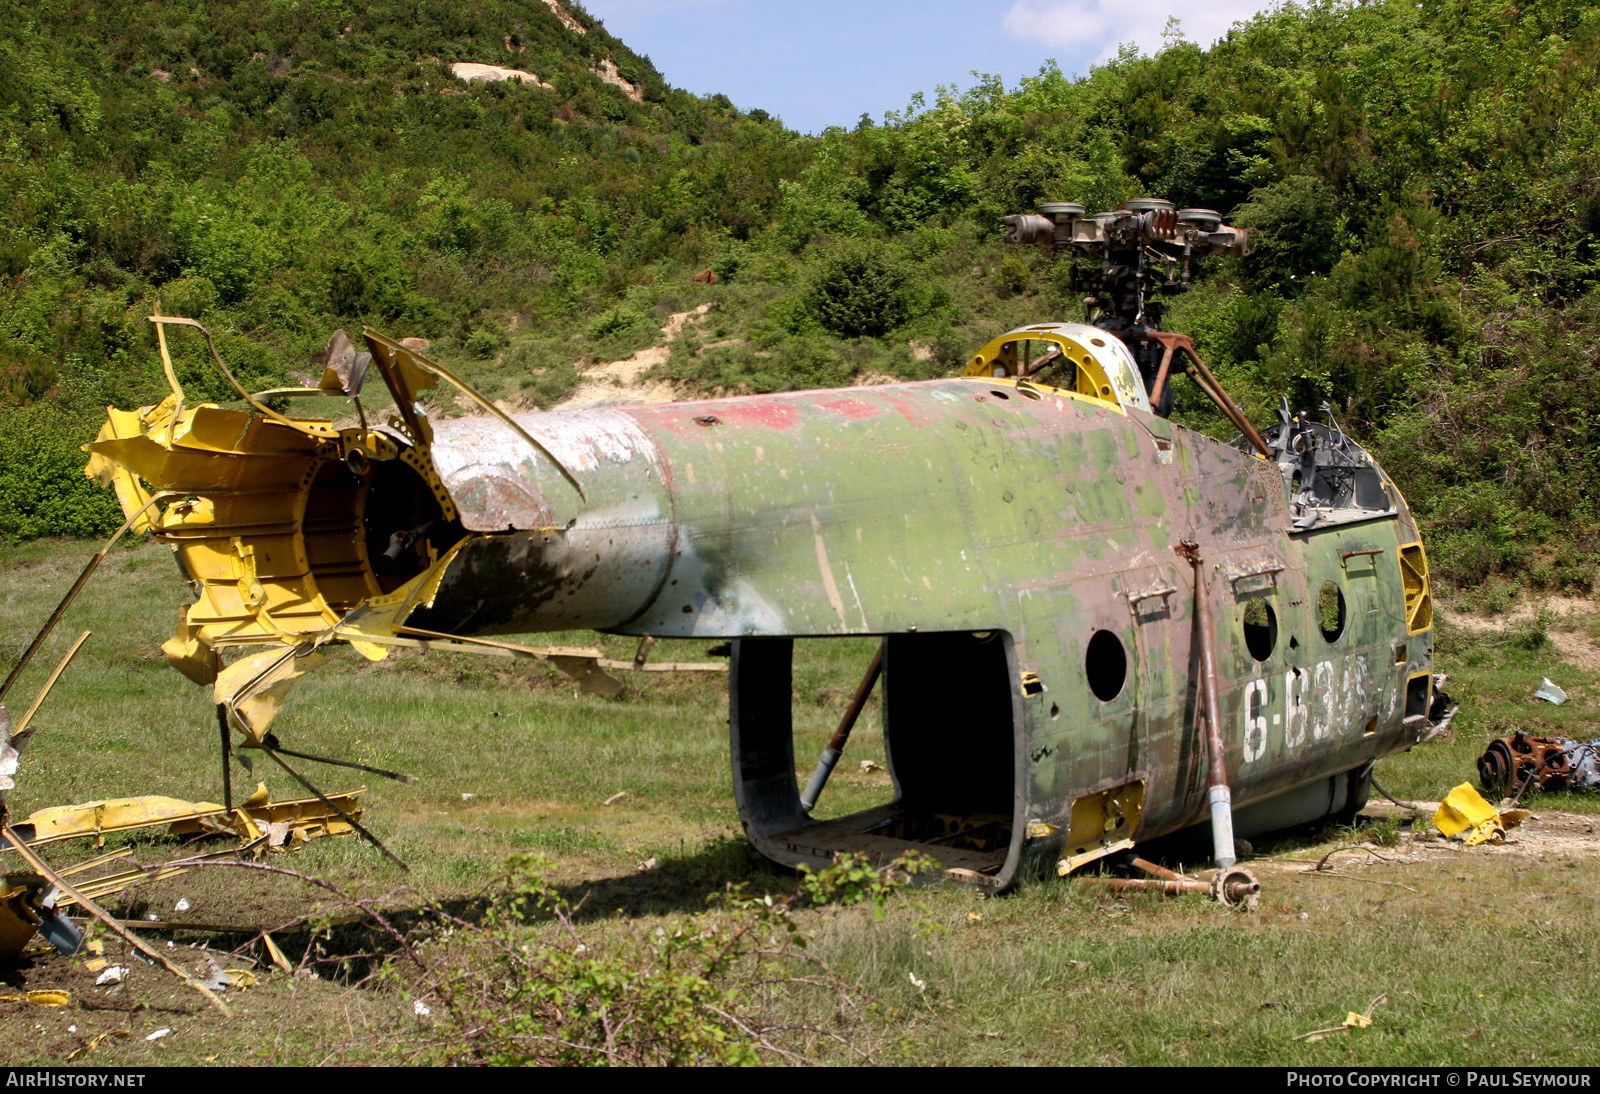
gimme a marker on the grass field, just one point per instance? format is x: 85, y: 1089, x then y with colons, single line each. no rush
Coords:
x: 1484, y: 956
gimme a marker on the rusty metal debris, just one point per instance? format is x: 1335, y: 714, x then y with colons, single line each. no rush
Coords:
x: 1516, y: 764
x: 1233, y: 886
x: 1218, y: 793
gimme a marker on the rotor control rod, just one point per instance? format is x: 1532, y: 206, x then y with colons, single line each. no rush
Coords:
x: 1219, y: 795
x: 835, y: 746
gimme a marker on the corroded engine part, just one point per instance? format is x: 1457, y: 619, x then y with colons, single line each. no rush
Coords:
x: 1540, y: 763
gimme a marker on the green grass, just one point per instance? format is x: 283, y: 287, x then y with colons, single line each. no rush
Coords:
x: 514, y: 759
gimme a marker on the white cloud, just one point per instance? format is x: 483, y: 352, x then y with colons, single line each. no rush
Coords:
x: 1102, y: 25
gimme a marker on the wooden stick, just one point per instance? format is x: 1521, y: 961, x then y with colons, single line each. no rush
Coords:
x: 20, y: 735
x: 112, y: 925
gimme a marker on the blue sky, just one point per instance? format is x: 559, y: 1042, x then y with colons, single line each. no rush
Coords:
x: 818, y: 63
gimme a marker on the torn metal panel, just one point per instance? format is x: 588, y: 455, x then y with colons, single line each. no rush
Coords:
x: 28, y: 906
x: 253, y: 818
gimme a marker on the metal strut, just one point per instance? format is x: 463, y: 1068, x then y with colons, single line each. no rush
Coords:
x: 346, y: 817
x: 835, y: 746
x: 1220, y: 797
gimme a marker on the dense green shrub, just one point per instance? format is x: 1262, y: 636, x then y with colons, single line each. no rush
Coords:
x: 859, y: 290
x: 43, y: 491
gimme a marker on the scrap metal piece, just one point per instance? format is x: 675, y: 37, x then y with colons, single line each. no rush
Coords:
x: 343, y: 369
x: 28, y: 906
x: 1218, y: 794
x: 1551, y: 692
x: 1516, y: 764
x: 1236, y: 887
x: 306, y: 817
x: 1464, y: 812
x: 835, y: 746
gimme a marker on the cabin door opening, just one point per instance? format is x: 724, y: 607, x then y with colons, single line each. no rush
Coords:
x: 939, y: 733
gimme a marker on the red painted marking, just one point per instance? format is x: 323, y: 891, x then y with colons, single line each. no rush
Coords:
x: 912, y: 410
x: 849, y: 408
x: 769, y: 413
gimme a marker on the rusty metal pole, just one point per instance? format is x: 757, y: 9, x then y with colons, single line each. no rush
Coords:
x: 1220, y: 797
x: 1172, y: 887
x: 1210, y: 385
x: 1159, y: 388
x: 835, y: 746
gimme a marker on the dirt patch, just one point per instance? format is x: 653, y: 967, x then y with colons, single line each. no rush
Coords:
x: 1547, y: 837
x: 1553, y: 607
x: 472, y: 72
x: 607, y: 71
x: 613, y: 383
x: 566, y: 17
x: 1576, y: 648
x: 1564, y: 616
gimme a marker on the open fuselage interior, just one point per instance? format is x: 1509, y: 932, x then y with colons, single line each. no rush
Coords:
x: 946, y: 718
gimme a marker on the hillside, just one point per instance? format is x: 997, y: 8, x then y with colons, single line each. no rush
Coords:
x: 1422, y: 180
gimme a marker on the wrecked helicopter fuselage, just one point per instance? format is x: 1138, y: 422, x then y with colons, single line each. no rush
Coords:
x: 1097, y: 626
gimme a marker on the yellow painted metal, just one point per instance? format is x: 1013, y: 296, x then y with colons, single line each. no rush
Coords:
x: 1465, y: 811
x: 1101, y: 823
x: 110, y: 815
x: 18, y: 922
x: 254, y: 688
x: 44, y: 997
x: 1419, y: 595
x: 266, y: 573
x: 309, y: 816
x: 1103, y: 369
x: 1094, y: 854
x: 306, y: 818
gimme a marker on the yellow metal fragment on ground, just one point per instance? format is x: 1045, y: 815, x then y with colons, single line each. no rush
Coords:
x: 110, y: 815
x: 276, y: 954
x: 1464, y: 810
x: 94, y: 1042
x: 1352, y: 1020
x: 289, y: 822
x: 299, y: 819
x: 46, y: 998
x: 18, y: 921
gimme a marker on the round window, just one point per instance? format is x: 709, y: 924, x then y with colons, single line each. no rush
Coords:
x: 1106, y: 664
x: 1330, y: 611
x: 1260, y: 628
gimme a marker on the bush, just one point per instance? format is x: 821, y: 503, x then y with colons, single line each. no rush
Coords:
x: 860, y: 291
x: 43, y: 491
x: 709, y: 990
